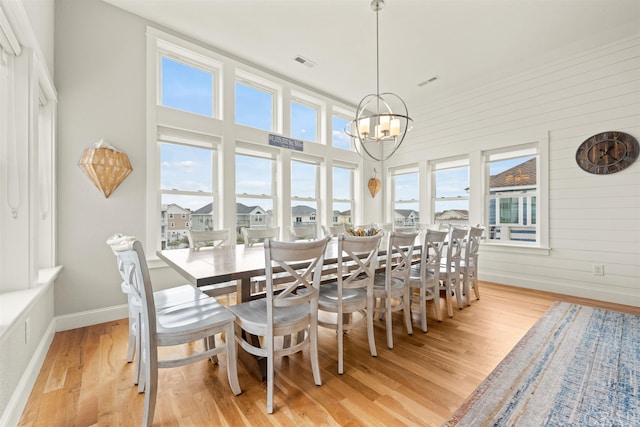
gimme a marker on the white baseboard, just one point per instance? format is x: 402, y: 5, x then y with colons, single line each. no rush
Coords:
x: 558, y: 287
x: 91, y: 317
x: 15, y: 407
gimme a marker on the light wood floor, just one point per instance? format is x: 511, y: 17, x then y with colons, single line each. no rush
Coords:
x: 86, y: 381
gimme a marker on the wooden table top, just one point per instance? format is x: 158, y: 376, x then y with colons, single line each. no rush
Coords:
x: 208, y: 266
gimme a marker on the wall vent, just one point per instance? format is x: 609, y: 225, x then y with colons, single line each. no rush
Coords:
x: 304, y: 61
x: 429, y: 80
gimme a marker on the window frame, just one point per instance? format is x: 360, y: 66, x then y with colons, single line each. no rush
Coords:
x: 346, y: 115
x: 352, y: 200
x: 264, y: 85
x: 196, y: 60
x: 190, y: 139
x: 316, y: 198
x: 539, y: 149
x: 443, y: 164
x: 315, y: 104
x: 249, y: 150
x: 395, y: 201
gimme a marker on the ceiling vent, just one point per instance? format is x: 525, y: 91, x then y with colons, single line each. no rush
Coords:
x: 429, y: 80
x: 304, y: 61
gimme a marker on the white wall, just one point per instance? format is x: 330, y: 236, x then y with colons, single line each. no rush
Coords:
x: 100, y: 78
x: 593, y: 219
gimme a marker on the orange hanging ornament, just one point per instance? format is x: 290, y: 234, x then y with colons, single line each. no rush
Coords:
x: 374, y: 186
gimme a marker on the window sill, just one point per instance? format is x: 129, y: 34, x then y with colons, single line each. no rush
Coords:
x: 515, y: 248
x: 15, y: 303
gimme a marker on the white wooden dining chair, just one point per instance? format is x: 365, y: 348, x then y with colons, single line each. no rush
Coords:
x: 199, y: 319
x: 207, y: 238
x: 163, y: 299
x: 393, y: 284
x: 303, y: 232
x: 424, y: 278
x: 450, y: 268
x: 252, y: 236
x: 469, y: 263
x: 284, y: 313
x: 334, y: 230
x: 350, y: 297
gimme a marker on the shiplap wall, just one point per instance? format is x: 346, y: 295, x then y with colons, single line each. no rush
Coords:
x: 592, y: 219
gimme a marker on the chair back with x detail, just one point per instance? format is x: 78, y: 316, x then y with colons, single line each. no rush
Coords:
x: 199, y: 319
x: 252, y: 236
x: 469, y: 263
x: 334, y: 230
x: 450, y: 268
x: 393, y: 283
x: 302, y: 232
x: 350, y: 297
x: 425, y: 277
x: 286, y: 311
x: 207, y: 238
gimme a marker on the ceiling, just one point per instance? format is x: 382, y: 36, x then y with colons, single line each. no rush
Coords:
x: 466, y: 43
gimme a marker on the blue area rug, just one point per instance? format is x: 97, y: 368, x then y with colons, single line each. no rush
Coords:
x: 577, y: 366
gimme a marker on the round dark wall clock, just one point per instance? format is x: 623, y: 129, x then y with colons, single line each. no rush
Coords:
x: 607, y: 152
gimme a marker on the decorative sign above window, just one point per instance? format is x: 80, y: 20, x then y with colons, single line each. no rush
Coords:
x: 284, y: 142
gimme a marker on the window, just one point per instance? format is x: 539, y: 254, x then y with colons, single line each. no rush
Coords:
x: 189, y: 185
x: 255, y: 198
x: 186, y: 189
x: 450, y: 189
x: 255, y: 102
x: 304, y: 192
x: 342, y: 203
x: 405, y: 197
x: 304, y: 121
x: 512, y: 195
x: 187, y: 87
x: 339, y: 138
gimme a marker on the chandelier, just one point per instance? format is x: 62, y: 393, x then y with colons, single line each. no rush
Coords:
x: 382, y: 119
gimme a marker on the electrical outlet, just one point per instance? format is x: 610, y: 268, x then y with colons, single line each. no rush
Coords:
x: 27, y: 330
x: 598, y: 270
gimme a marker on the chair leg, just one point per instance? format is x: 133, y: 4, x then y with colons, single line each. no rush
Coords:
x: 466, y: 292
x: 269, y: 342
x: 313, y: 349
x: 151, y: 386
x: 436, y: 302
x: 447, y: 296
x: 232, y: 359
x: 340, y: 322
x: 210, y: 343
x: 406, y: 310
x: 389, y: 325
x: 423, y: 309
x: 131, y: 348
x: 459, y: 291
x: 370, y: 334
x: 141, y: 366
x: 476, y: 291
